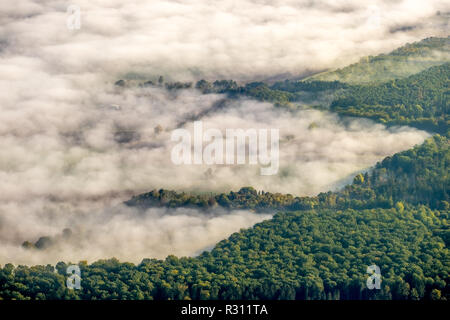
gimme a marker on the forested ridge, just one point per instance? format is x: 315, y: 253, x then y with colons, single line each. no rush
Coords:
x: 317, y: 252
x: 409, y: 86
x: 396, y: 215
x: 421, y: 100
x: 417, y: 176
x: 402, y: 62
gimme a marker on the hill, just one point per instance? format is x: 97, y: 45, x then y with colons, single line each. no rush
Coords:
x: 421, y: 100
x: 320, y: 252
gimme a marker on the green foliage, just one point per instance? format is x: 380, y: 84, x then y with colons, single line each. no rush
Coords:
x: 403, y: 62
x: 421, y: 100
x: 319, y: 252
x: 416, y: 176
x: 395, y: 216
x: 281, y: 94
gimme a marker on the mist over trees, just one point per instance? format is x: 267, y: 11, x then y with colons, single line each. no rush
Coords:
x: 86, y: 119
x: 320, y: 252
x: 418, y: 176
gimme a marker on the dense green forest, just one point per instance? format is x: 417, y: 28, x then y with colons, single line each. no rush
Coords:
x: 405, y: 61
x: 402, y: 62
x: 413, y: 90
x: 315, y: 254
x: 421, y: 100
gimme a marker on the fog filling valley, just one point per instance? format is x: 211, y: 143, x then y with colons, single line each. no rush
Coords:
x: 74, y: 146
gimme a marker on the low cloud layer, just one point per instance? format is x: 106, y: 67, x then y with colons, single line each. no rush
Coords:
x: 64, y: 166
x: 119, y: 232
x: 186, y: 39
x: 73, y: 144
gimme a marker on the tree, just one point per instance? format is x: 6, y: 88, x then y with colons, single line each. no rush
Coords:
x: 435, y: 294
x: 400, y: 207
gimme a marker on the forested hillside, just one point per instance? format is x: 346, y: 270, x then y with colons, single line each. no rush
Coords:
x: 320, y: 252
x: 402, y: 62
x: 421, y: 100
x: 416, y: 176
x: 316, y: 254
x: 409, y: 86
x: 396, y: 215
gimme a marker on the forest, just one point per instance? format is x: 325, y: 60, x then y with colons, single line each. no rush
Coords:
x: 313, y: 254
x: 313, y: 248
x: 394, y: 215
x: 420, y: 100
x: 415, y: 94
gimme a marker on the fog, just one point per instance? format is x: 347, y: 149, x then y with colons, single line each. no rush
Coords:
x: 74, y: 146
x: 185, y: 39
x: 120, y: 232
